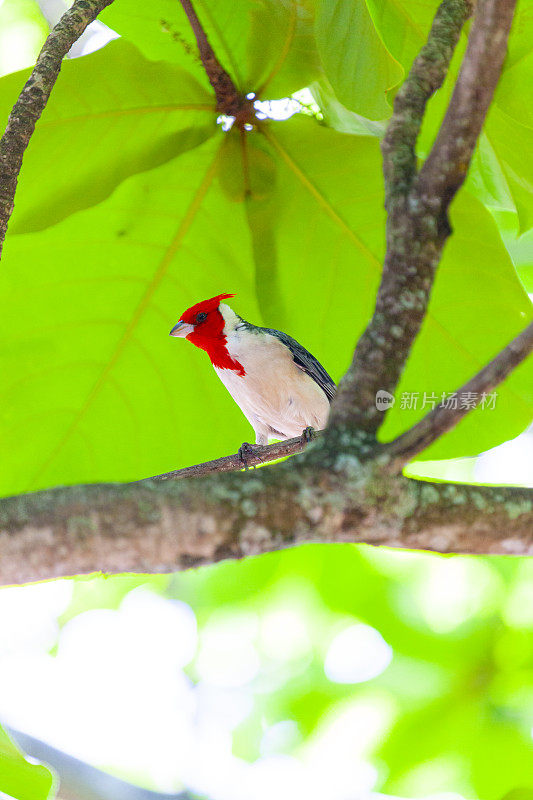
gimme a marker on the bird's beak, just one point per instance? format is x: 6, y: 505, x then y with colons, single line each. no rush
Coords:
x: 182, y: 329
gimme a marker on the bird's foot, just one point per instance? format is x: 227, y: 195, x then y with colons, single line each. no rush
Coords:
x: 308, y: 434
x: 246, y: 450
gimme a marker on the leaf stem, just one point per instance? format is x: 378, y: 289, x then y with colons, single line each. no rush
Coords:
x: 229, y: 100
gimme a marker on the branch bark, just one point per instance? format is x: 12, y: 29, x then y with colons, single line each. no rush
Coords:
x: 33, y: 99
x: 447, y: 164
x: 417, y: 205
x: 164, y: 526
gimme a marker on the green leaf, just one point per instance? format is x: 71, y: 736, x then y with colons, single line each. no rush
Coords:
x: 19, y: 778
x: 521, y: 251
x: 510, y: 141
x: 267, y: 47
x: 357, y: 64
x: 290, y: 218
x: 111, y: 114
x: 337, y: 116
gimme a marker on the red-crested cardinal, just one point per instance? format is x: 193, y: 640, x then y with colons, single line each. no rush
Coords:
x: 279, y: 386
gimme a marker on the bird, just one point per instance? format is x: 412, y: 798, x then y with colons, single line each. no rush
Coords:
x: 282, y: 390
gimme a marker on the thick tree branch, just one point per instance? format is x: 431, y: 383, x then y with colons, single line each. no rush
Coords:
x: 164, y: 526
x: 229, y: 100
x: 445, y: 417
x: 34, y: 97
x: 417, y: 225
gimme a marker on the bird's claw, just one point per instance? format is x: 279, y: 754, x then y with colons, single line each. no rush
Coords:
x: 247, y: 449
x: 308, y: 434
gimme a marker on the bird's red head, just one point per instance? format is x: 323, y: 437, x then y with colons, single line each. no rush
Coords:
x: 205, y: 315
x: 203, y: 325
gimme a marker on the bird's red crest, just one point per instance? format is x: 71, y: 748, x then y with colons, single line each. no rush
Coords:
x: 203, y: 306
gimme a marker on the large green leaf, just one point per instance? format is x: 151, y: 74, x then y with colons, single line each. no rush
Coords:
x: 290, y: 218
x: 267, y: 47
x: 19, y: 778
x: 110, y: 115
x: 359, y: 67
x: 99, y: 381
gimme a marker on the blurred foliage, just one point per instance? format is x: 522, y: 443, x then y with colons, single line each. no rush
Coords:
x: 19, y: 778
x: 460, y: 684
x: 450, y: 709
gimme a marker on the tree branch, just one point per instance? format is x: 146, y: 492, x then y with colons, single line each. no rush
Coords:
x: 163, y: 526
x: 447, y: 164
x: 234, y: 462
x: 427, y: 74
x: 229, y: 100
x: 34, y: 96
x: 417, y: 225
x: 443, y: 418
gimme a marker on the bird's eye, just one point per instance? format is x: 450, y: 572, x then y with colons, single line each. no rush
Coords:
x: 201, y: 316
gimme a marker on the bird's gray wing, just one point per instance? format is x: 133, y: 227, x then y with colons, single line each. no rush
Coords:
x: 307, y: 362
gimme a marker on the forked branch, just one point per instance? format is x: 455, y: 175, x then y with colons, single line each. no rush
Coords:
x: 417, y: 225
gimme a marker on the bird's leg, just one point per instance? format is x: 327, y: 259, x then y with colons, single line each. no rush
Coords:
x: 247, y: 449
x: 308, y: 434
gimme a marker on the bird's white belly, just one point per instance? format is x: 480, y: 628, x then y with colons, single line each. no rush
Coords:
x: 277, y: 397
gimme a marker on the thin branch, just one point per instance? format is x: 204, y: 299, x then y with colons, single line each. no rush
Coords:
x: 443, y: 418
x: 34, y: 96
x: 234, y: 463
x: 229, y: 100
x: 417, y: 225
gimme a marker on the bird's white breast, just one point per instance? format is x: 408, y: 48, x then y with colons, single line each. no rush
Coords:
x: 277, y: 397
